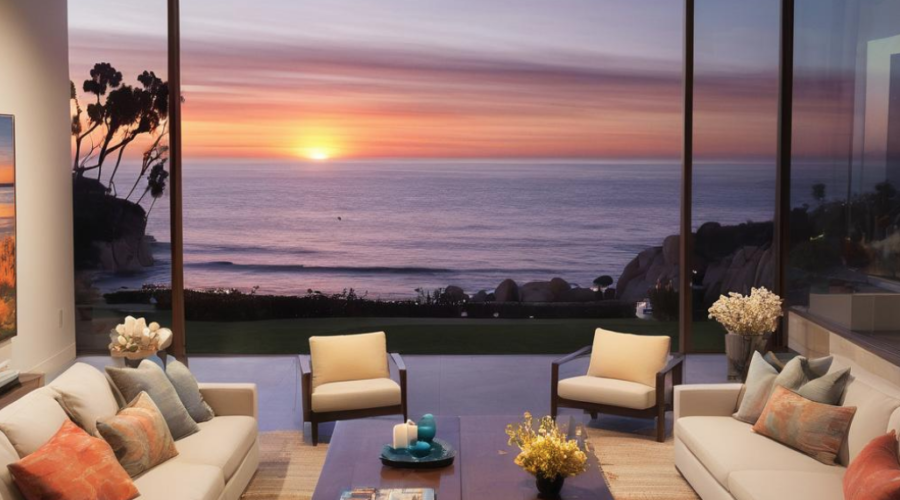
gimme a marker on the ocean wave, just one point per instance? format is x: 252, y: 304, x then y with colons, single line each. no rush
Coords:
x: 224, y: 265
x: 231, y: 248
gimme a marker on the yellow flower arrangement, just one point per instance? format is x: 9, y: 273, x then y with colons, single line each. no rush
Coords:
x: 545, y: 452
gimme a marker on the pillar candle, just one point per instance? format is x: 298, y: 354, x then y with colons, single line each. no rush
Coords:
x: 412, y: 431
x: 401, y: 436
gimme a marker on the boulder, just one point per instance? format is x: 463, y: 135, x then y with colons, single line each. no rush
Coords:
x: 671, y: 249
x: 559, y: 285
x: 480, y: 297
x: 537, y: 291
x: 455, y: 294
x: 507, y: 291
x: 577, y: 295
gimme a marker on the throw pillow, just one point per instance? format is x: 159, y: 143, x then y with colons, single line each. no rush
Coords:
x: 817, y: 367
x: 85, y: 394
x: 148, y: 377
x: 188, y: 391
x: 138, y: 435
x: 757, y: 388
x: 623, y: 356
x: 875, y: 473
x: 72, y: 465
x: 813, y: 428
x: 826, y: 389
x: 30, y: 422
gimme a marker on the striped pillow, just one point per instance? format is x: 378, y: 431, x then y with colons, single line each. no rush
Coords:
x: 813, y: 428
x: 138, y: 435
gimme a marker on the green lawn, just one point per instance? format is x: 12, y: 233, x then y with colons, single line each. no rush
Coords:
x: 419, y: 335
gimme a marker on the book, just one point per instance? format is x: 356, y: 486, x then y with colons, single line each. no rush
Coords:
x: 389, y: 494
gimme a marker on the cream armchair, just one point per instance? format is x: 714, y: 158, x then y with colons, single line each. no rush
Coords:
x: 629, y: 376
x: 348, y: 377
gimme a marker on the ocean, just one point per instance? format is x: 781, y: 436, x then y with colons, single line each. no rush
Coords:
x: 386, y: 228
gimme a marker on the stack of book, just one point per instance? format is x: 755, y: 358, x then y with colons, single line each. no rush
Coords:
x: 389, y: 494
x: 8, y: 378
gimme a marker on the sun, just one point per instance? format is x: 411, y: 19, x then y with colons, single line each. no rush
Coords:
x: 317, y: 154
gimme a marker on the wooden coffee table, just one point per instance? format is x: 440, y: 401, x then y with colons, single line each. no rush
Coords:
x: 483, y: 470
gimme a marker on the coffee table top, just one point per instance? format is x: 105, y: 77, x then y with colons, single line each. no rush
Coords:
x: 483, y: 470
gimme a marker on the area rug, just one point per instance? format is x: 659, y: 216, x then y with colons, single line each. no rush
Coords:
x: 636, y: 466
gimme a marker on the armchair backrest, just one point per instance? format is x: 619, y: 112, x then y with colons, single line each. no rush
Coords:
x: 623, y: 356
x: 341, y: 358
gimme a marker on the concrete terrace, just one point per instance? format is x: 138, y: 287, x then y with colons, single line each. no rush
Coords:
x: 443, y: 385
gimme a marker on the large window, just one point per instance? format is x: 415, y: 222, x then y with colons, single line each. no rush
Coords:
x: 844, y: 261
x: 119, y: 165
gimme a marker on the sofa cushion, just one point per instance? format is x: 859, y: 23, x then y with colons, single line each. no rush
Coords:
x: 31, y: 421
x: 138, y: 435
x: 222, y: 442
x: 813, y: 428
x: 767, y: 485
x: 725, y: 445
x: 188, y: 391
x: 340, y: 358
x: 149, y: 377
x: 8, y: 455
x: 873, y: 413
x: 181, y: 481
x: 607, y: 391
x: 623, y: 356
x: 73, y: 465
x: 85, y: 394
x: 356, y: 395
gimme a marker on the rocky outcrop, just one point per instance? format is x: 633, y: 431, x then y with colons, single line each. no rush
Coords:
x: 507, y: 291
x: 726, y: 258
x: 558, y: 286
x: 480, y: 297
x: 537, y: 291
x: 577, y: 295
x: 454, y: 293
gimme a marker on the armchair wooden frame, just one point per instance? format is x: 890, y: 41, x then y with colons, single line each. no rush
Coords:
x: 673, y: 372
x: 315, y: 418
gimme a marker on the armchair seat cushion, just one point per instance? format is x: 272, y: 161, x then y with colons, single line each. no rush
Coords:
x: 607, y: 391
x: 355, y: 395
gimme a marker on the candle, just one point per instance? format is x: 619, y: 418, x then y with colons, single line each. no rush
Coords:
x: 412, y: 431
x: 401, y: 436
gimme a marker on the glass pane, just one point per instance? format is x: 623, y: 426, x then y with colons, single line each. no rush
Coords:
x: 735, y: 117
x: 844, y: 262
x: 121, y: 207
x: 391, y: 169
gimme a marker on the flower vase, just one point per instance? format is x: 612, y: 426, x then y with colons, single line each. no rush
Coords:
x: 739, y: 351
x: 550, y: 487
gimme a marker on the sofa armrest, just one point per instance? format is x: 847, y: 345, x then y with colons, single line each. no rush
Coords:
x: 714, y: 400
x: 231, y: 399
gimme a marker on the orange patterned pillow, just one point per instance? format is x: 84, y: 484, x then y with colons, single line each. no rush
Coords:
x: 138, y: 435
x: 814, y: 428
x: 875, y: 473
x: 72, y: 466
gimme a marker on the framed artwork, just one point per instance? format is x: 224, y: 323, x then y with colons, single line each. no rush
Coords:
x: 7, y: 227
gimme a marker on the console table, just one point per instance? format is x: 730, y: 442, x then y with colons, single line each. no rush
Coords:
x: 27, y: 383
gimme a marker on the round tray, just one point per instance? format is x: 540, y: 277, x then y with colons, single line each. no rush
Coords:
x: 442, y: 455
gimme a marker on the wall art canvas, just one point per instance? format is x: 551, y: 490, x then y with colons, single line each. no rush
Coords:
x: 7, y: 228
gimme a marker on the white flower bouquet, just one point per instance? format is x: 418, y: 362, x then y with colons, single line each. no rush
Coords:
x: 748, y: 315
x: 136, y: 337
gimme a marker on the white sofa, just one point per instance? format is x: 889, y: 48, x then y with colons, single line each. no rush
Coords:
x: 722, y: 459
x: 216, y: 463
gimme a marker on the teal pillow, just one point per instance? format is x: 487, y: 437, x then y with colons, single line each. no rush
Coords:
x: 149, y: 377
x: 188, y: 391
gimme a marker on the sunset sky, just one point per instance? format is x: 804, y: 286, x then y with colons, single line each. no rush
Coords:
x: 7, y: 172
x: 445, y: 79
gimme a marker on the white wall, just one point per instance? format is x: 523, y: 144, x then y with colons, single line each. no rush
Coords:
x: 34, y: 86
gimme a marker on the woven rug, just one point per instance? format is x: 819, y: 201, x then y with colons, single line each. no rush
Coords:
x: 636, y: 466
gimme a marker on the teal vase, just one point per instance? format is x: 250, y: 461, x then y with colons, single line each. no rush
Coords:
x: 427, y: 428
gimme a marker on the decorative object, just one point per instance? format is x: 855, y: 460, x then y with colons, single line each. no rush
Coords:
x: 624, y: 373
x: 188, y: 391
x: 150, y: 378
x: 815, y: 429
x: 439, y: 454
x: 138, y: 435
x: 347, y: 377
x: 135, y: 339
x: 419, y: 449
x: 73, y: 465
x: 412, y: 432
x: 8, y: 317
x: 546, y: 453
x: 749, y: 321
x: 427, y: 428
x: 875, y: 473
x: 401, y: 436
